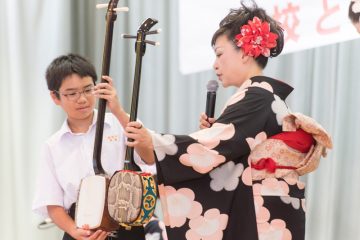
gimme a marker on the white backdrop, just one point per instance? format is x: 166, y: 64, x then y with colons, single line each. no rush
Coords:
x: 33, y: 32
x: 307, y: 24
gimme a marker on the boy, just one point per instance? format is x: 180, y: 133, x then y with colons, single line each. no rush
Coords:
x: 67, y: 155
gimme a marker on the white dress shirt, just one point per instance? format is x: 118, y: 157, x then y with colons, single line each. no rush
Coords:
x: 67, y: 158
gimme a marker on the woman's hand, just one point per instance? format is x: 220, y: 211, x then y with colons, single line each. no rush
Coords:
x: 205, y: 122
x: 142, y: 141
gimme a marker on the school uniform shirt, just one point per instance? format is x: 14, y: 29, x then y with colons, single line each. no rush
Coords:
x: 205, y: 182
x: 67, y: 159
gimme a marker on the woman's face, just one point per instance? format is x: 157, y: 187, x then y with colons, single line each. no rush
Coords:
x: 357, y: 26
x: 229, y: 63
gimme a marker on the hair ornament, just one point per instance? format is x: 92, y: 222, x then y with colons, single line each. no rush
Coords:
x: 356, y: 6
x: 255, y: 38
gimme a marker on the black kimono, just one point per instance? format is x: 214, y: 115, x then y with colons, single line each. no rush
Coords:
x: 205, y: 183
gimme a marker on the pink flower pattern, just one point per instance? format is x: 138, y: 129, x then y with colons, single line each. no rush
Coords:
x: 245, y: 85
x: 241, y: 92
x: 303, y: 204
x: 294, y: 202
x: 226, y: 176
x: 211, y: 137
x: 252, y: 142
x: 207, y: 227
x: 292, y: 180
x: 163, y: 228
x: 238, y: 96
x: 271, y: 187
x: 275, y: 230
x: 280, y: 108
x: 201, y: 159
x: 246, y: 176
x: 259, y: 138
x: 262, y: 213
x: 163, y: 145
x: 178, y: 205
x: 263, y: 85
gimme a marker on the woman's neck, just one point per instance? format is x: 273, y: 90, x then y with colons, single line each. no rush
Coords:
x: 255, y: 70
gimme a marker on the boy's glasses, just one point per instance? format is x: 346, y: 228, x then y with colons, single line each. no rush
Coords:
x: 74, y: 96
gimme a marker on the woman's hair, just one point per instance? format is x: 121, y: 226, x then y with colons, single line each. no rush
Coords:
x: 66, y: 65
x: 231, y: 25
x: 354, y: 16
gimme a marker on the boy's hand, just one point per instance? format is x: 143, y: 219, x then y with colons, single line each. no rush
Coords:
x: 205, y: 122
x: 108, y: 92
x: 62, y: 219
x: 85, y: 234
x: 98, y: 235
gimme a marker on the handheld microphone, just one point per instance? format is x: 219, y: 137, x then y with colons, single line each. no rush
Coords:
x: 47, y: 223
x: 212, y: 87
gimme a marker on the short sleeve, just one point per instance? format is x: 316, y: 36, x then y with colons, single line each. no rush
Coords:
x: 143, y: 166
x: 48, y: 189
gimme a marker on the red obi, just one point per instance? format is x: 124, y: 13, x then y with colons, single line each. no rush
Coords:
x: 298, y: 140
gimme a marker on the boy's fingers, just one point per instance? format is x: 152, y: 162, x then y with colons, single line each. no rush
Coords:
x: 84, y: 232
x: 132, y: 144
x: 107, y: 78
x: 211, y: 120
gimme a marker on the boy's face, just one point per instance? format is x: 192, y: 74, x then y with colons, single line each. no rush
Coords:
x: 77, y: 106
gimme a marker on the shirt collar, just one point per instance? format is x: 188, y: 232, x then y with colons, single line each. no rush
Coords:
x: 65, y: 129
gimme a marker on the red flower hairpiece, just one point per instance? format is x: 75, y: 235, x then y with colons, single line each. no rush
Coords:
x: 255, y: 38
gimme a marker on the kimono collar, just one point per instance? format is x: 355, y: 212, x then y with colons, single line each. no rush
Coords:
x: 281, y: 89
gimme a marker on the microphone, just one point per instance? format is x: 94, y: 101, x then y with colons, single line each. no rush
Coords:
x: 212, y: 87
x: 47, y: 223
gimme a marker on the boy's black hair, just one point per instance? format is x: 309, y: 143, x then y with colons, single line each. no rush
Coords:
x: 230, y: 26
x: 66, y: 65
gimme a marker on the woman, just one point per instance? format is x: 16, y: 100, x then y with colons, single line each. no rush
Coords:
x: 354, y: 14
x: 205, y: 180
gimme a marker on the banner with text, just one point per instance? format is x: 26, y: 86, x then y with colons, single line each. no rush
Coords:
x: 307, y: 24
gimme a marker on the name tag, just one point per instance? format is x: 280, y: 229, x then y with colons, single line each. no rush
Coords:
x: 112, y: 138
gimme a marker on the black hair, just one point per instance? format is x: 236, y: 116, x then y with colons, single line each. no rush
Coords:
x: 66, y: 65
x: 353, y: 16
x: 230, y: 26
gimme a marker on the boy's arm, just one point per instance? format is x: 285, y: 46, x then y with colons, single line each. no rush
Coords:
x: 121, y: 116
x: 145, y: 151
x: 107, y: 91
x: 60, y: 217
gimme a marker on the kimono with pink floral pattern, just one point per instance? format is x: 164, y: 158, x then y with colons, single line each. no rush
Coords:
x: 205, y: 182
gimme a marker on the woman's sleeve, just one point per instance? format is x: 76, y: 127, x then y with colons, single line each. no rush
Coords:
x: 187, y: 157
